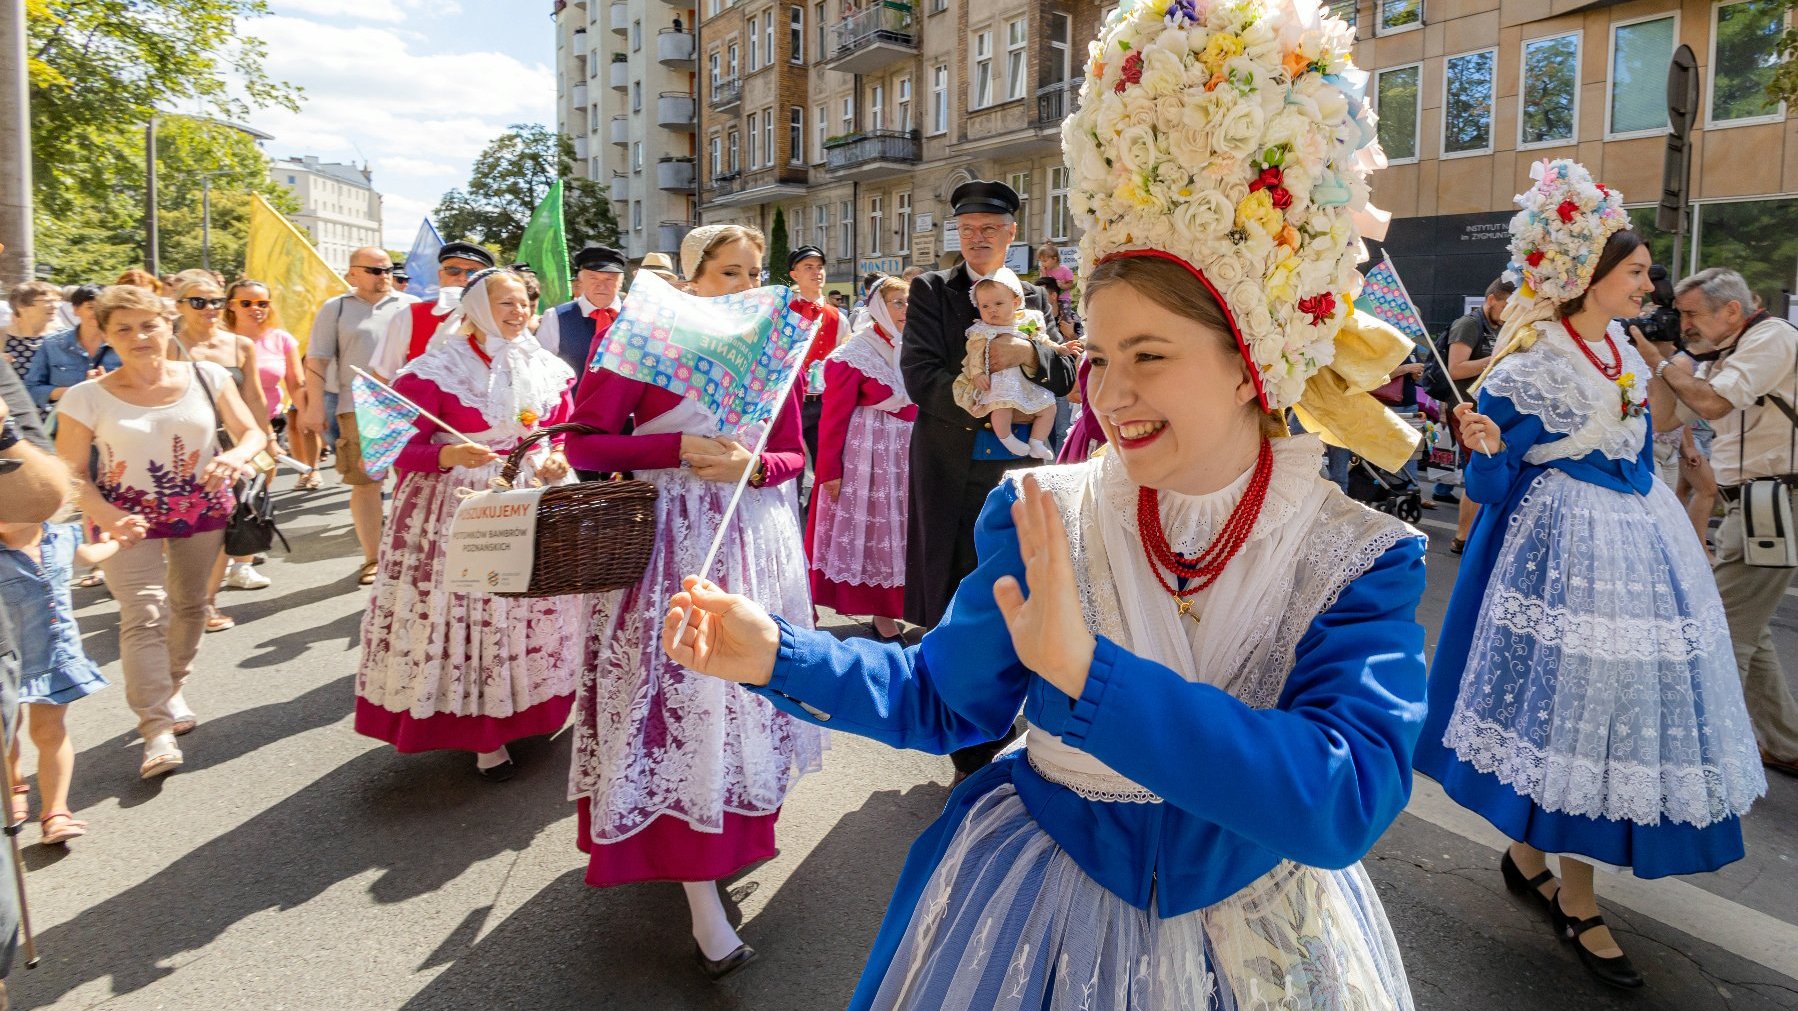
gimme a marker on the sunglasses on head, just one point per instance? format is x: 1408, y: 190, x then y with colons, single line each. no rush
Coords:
x: 197, y: 302
x: 375, y: 270
x: 246, y: 303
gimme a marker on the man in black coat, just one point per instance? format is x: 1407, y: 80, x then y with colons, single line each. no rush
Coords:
x: 956, y: 460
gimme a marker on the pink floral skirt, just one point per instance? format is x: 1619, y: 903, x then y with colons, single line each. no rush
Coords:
x: 444, y: 670
x: 858, y: 540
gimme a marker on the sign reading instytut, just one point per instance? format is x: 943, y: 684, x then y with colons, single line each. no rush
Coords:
x: 493, y: 542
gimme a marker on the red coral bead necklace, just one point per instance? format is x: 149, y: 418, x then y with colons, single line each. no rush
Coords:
x: 1614, y: 371
x: 1200, y: 570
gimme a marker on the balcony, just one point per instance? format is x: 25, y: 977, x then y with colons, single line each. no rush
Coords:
x: 621, y: 18
x: 580, y: 147
x: 621, y: 130
x: 874, y: 39
x: 621, y: 75
x: 1056, y: 102
x: 674, y: 49
x: 578, y: 44
x: 675, y: 111
x: 726, y: 93
x: 740, y: 189
x: 580, y: 95
x: 670, y: 234
x: 621, y: 185
x: 878, y: 154
x: 675, y: 174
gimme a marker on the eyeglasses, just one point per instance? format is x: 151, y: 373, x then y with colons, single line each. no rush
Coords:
x: 375, y: 270
x: 245, y: 303
x: 987, y: 232
x: 196, y: 302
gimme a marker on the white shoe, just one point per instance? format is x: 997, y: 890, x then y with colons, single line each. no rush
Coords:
x: 161, y: 757
x: 1014, y: 446
x: 240, y: 576
x: 1041, y: 451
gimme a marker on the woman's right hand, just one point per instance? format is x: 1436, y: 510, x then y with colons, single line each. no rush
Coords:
x: 833, y: 488
x: 464, y: 454
x: 1478, y: 431
x: 729, y: 637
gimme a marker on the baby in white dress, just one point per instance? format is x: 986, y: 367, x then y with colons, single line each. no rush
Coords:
x: 1006, y: 397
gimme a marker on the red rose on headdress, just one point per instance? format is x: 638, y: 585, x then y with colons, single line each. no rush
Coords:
x: 1567, y: 210
x: 1282, y: 197
x: 1534, y: 259
x: 1270, y: 176
x: 1131, y: 72
x: 1318, y: 307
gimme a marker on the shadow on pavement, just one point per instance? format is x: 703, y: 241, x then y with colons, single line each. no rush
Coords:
x: 572, y: 946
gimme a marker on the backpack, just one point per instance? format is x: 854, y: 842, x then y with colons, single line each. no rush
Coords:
x: 1435, y: 380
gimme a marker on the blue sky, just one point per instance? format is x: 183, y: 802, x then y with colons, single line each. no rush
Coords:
x: 414, y: 87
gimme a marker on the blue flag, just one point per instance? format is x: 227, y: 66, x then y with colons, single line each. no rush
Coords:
x: 421, y: 262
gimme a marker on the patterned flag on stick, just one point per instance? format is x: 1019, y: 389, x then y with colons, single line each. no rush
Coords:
x: 732, y: 355
x: 384, y: 422
x: 1383, y: 297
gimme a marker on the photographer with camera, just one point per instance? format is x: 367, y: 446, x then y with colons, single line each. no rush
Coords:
x: 1682, y: 455
x: 1740, y: 373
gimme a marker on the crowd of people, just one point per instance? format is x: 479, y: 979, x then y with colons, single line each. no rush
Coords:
x: 1179, y: 673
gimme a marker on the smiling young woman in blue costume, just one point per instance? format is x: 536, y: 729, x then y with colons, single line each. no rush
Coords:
x: 1584, y: 697
x: 1215, y: 648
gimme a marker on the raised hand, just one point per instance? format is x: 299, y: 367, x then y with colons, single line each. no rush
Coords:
x: 1048, y: 628
x: 728, y: 636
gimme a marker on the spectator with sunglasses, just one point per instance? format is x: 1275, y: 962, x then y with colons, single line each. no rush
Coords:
x: 410, y: 329
x: 345, y: 335
x: 250, y: 313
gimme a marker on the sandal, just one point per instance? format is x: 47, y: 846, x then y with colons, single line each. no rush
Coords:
x: 161, y: 757
x: 309, y: 481
x: 21, y: 804
x: 93, y: 578
x: 366, y: 576
x: 69, y: 829
x: 185, y: 721
x: 218, y: 621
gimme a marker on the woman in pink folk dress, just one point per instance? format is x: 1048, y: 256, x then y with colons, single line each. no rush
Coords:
x: 679, y: 777
x: 453, y: 671
x: 857, y: 532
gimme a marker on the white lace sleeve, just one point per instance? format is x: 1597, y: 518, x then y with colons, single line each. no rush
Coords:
x: 1539, y: 383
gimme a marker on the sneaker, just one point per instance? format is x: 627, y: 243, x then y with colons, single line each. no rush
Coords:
x: 240, y: 576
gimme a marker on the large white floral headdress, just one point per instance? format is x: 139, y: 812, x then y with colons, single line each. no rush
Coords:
x: 1560, y: 230
x: 1233, y: 136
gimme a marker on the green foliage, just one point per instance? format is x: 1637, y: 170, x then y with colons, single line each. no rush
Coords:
x: 101, y: 234
x: 1783, y: 85
x: 507, y: 182
x: 778, y: 248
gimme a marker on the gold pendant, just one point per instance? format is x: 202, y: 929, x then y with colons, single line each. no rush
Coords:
x: 1186, y: 609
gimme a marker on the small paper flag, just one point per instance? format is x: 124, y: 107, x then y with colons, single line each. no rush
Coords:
x: 1383, y: 297
x: 384, y: 424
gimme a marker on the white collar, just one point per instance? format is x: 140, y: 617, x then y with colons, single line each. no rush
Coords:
x: 974, y: 279
x: 588, y: 308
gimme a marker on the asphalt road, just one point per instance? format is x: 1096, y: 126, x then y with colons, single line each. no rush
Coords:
x: 293, y: 864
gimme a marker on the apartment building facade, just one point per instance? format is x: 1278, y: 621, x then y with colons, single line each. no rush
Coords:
x: 339, y: 206
x: 1471, y: 93
x: 625, y: 73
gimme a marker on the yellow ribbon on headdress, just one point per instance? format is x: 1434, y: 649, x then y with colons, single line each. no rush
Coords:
x: 1338, y: 403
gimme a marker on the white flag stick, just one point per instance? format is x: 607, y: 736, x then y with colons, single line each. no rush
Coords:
x: 1453, y: 386
x: 408, y: 402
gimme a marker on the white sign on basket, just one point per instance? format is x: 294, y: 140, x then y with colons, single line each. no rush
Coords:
x: 493, y: 543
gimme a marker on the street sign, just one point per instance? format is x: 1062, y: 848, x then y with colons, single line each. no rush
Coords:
x: 1676, y: 165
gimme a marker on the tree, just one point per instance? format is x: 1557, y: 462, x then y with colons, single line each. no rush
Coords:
x: 508, y: 180
x: 99, y: 69
x: 102, y: 233
x: 1783, y: 87
x: 778, y: 247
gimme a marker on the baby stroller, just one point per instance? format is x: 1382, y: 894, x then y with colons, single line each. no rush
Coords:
x: 1388, y: 492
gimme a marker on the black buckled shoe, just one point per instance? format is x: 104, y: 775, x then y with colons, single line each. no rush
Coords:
x: 723, y: 967
x: 498, y: 773
x: 1529, y: 889
x: 1615, y: 971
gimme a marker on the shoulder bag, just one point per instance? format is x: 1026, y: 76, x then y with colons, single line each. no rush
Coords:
x: 251, y: 529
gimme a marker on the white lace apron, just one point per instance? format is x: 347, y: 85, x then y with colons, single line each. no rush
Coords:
x: 1601, y: 680
x: 1008, y: 900
x: 653, y: 738
x: 859, y: 537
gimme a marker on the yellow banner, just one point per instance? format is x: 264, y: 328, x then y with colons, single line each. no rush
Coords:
x: 299, y: 279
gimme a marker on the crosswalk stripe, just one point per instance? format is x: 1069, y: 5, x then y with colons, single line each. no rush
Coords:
x: 1738, y: 929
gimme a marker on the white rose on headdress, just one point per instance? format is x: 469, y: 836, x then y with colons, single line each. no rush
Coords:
x: 1227, y: 269
x: 1164, y: 72
x: 1204, y: 215
x: 1136, y: 149
x: 1083, y: 155
x: 1238, y: 131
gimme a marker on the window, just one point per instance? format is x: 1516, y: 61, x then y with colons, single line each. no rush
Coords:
x: 730, y: 60
x: 823, y: 40
x: 755, y: 62
x: 848, y: 114
x: 637, y: 156
x: 1755, y: 236
x: 636, y: 36
x: 983, y: 70
x: 712, y: 9
x: 1396, y: 98
x: 820, y: 124
x: 902, y: 222
x: 636, y: 96
x: 754, y: 142
x: 846, y: 232
x: 768, y: 136
x: 821, y: 226
x: 1639, y: 54
x: 717, y: 155
x: 734, y: 164
x: 1467, y: 103
x: 796, y: 33
x: 636, y: 215
x: 796, y: 135
x: 768, y: 56
x: 713, y: 64
x: 1061, y: 60
x: 1056, y: 222
x: 875, y: 219
x: 877, y: 107
x: 904, y: 118
x: 938, y: 6
x: 1398, y: 15
x: 1550, y: 91
x: 939, y: 99
x: 1020, y: 184
x: 1744, y: 57
x: 1014, y: 60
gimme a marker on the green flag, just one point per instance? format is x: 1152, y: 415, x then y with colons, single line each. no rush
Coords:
x: 545, y: 247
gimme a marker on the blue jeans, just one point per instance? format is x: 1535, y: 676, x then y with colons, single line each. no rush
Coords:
x: 331, y: 432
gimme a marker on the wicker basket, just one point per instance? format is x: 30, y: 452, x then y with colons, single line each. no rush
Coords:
x: 592, y: 536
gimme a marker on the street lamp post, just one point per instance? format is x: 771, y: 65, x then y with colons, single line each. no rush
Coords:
x: 152, y: 256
